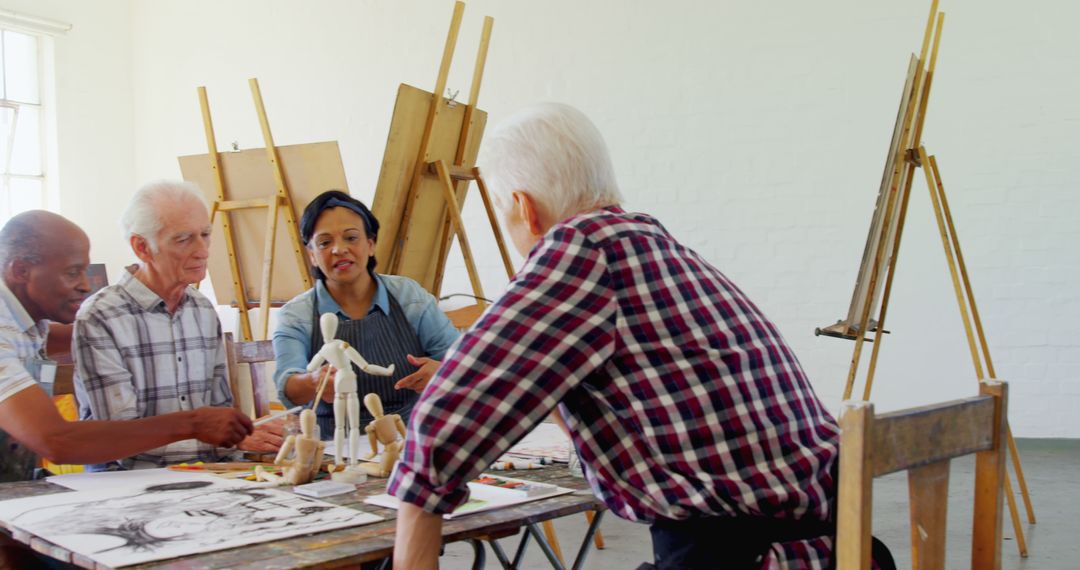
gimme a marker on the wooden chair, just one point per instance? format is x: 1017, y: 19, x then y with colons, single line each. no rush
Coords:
x: 922, y: 441
x: 253, y: 354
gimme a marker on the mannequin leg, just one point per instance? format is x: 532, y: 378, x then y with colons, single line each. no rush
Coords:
x: 339, y: 428
x: 354, y: 428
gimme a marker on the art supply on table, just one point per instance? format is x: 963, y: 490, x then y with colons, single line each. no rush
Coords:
x: 488, y: 492
x: 277, y: 415
x: 325, y: 488
x: 516, y: 464
x: 217, y: 467
x: 513, y: 486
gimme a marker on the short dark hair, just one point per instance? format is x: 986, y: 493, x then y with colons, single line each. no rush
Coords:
x: 336, y: 199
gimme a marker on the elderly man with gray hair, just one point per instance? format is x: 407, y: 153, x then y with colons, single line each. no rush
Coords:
x: 152, y: 344
x: 686, y: 406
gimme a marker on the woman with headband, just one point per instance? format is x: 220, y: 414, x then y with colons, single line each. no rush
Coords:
x: 388, y: 318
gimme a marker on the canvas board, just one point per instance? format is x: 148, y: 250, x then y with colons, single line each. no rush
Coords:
x: 309, y: 170
x: 421, y: 252
x: 124, y: 526
x: 891, y: 189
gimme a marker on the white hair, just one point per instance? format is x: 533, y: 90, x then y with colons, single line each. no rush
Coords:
x: 144, y: 216
x: 556, y: 154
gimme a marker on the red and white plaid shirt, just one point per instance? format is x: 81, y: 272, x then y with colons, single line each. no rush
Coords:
x: 682, y: 399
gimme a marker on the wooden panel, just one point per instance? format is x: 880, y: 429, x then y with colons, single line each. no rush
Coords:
x: 419, y: 252
x: 925, y: 435
x: 309, y: 170
x: 856, y: 487
x: 928, y: 489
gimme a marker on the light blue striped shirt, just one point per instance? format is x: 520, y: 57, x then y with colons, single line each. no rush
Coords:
x: 292, y: 338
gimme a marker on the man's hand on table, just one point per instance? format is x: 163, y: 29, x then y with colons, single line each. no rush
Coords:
x: 223, y: 427
x: 266, y: 438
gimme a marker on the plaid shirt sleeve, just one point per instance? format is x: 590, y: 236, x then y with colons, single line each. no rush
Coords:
x: 553, y: 327
x: 105, y: 385
x: 107, y: 388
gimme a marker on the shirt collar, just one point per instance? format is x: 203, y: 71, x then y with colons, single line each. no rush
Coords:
x: 22, y: 318
x: 143, y: 295
x: 327, y: 304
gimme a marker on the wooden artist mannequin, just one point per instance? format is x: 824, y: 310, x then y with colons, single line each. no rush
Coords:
x: 346, y: 404
x: 383, y: 429
x: 309, y: 452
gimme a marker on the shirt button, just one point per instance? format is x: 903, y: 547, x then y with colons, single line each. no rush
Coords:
x: 179, y: 358
x: 183, y: 398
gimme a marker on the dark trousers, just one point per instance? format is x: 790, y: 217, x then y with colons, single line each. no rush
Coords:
x: 736, y: 543
x: 715, y: 542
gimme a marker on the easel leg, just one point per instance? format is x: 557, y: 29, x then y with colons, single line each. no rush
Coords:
x: 872, y: 367
x: 950, y: 241
x: 1013, y: 452
x: 230, y: 240
x: 494, y: 220
x: 553, y: 539
x: 455, y: 216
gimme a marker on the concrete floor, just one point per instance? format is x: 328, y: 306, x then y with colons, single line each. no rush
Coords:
x: 1052, y: 469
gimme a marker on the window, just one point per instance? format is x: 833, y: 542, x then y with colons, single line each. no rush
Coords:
x: 23, y: 184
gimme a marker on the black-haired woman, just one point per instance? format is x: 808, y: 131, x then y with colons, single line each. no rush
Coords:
x: 389, y: 319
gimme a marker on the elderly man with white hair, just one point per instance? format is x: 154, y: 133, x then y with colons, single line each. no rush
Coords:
x: 686, y: 406
x: 152, y: 344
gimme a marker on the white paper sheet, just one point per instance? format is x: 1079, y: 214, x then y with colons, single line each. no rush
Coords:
x: 481, y: 498
x: 134, y: 479
x: 547, y: 440
x: 133, y: 525
x: 365, y: 448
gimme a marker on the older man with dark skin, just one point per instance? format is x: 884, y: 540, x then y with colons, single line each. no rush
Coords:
x: 151, y: 344
x: 44, y: 259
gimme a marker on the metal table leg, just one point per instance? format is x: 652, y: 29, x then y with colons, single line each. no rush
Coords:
x: 533, y: 531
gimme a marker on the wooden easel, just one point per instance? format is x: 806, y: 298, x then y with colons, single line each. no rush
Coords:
x: 407, y: 245
x: 883, y: 247
x: 425, y: 261
x: 276, y: 204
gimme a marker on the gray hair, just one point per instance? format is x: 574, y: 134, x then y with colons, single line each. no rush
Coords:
x: 20, y: 239
x: 556, y: 154
x: 144, y: 215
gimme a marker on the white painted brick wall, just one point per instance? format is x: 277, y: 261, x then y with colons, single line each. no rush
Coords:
x: 756, y: 131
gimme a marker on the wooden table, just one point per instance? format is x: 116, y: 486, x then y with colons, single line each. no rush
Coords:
x: 351, y: 546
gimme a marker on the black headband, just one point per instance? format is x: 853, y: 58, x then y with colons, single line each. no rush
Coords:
x: 338, y: 202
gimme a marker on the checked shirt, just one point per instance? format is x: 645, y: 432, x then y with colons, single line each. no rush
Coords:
x: 135, y: 360
x: 681, y: 397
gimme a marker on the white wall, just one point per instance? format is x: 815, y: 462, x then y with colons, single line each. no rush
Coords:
x: 755, y: 131
x: 94, y: 96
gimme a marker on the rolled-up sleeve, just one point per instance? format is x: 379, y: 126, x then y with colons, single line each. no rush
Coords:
x: 552, y: 328
x: 433, y: 327
x: 292, y: 342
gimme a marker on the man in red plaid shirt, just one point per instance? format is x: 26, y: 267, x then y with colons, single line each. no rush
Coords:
x: 687, y: 408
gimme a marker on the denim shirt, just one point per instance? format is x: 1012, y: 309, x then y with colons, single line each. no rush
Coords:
x: 292, y: 337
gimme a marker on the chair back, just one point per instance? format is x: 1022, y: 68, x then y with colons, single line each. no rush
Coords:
x: 251, y: 398
x: 922, y: 441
